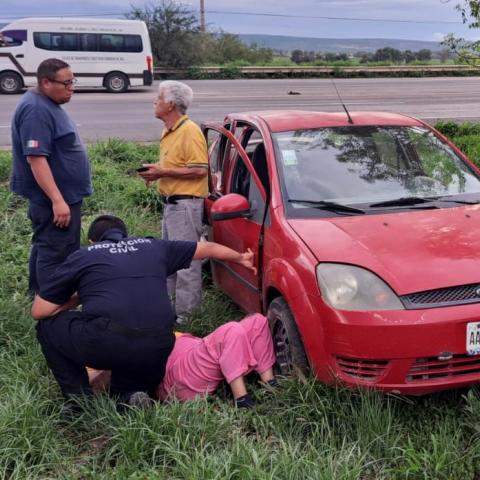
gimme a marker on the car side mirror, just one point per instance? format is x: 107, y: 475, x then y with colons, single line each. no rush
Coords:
x: 230, y: 206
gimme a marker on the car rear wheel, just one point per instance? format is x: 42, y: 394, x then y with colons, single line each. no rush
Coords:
x: 291, y: 358
x: 10, y: 82
x: 116, y: 82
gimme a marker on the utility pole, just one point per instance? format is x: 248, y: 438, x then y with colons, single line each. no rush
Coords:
x: 202, y: 15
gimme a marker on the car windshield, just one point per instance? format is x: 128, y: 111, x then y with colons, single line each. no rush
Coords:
x: 368, y: 165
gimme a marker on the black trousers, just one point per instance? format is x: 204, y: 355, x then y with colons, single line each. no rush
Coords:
x: 71, y: 341
x: 51, y: 245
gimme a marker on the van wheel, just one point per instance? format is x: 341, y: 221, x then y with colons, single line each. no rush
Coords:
x: 116, y: 82
x: 10, y: 82
x: 287, y: 343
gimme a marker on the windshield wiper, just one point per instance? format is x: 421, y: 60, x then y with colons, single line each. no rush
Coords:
x: 402, y: 202
x: 463, y: 202
x: 330, y: 206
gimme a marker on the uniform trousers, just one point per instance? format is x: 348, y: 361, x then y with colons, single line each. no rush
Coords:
x: 72, y: 340
x: 51, y: 245
x: 198, y: 365
x: 183, y: 221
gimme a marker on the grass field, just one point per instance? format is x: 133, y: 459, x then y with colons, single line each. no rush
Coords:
x: 308, y: 431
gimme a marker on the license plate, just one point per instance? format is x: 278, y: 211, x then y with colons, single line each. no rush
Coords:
x: 473, y: 338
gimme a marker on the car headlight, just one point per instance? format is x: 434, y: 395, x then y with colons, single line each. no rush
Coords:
x: 353, y: 288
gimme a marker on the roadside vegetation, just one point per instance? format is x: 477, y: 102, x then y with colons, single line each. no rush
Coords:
x: 179, y: 42
x: 307, y: 430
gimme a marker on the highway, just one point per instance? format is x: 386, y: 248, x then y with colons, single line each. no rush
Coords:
x: 100, y: 115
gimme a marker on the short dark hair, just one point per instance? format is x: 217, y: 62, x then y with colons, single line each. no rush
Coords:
x: 49, y: 67
x: 103, y: 223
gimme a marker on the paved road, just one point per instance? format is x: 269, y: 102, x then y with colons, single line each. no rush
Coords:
x: 100, y: 115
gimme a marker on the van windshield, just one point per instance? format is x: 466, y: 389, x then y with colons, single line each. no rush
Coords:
x: 12, y: 38
x: 367, y: 164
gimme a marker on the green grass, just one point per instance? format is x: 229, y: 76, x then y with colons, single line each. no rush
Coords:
x: 308, y: 431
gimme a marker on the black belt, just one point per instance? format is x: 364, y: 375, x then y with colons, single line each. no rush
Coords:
x: 139, y: 332
x: 172, y: 199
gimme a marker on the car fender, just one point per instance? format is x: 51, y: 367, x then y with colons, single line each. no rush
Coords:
x: 278, y: 277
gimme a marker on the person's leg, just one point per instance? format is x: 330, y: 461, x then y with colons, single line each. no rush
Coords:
x: 260, y: 338
x: 56, y: 336
x: 183, y: 221
x: 51, y: 245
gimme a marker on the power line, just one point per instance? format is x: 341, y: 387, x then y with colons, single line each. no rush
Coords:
x: 356, y: 19
x: 258, y: 14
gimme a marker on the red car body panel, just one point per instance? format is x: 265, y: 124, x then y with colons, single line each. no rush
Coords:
x: 412, y: 251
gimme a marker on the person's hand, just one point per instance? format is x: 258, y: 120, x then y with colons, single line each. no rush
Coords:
x: 153, y: 172
x: 247, y: 260
x: 61, y: 213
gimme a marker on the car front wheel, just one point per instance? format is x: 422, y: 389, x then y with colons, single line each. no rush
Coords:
x: 288, y: 346
x: 10, y: 82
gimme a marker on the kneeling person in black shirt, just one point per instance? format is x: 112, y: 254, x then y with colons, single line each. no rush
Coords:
x: 126, y: 321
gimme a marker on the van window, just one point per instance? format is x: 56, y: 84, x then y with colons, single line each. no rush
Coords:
x: 88, y: 42
x: 12, y: 38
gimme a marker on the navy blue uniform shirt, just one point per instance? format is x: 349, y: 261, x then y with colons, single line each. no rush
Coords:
x: 124, y: 281
x: 43, y: 128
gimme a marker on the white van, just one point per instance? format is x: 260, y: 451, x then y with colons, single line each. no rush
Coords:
x: 115, y: 54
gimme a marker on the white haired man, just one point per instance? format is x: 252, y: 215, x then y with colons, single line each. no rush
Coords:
x: 182, y: 180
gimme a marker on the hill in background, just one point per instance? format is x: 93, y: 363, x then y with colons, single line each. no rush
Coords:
x: 336, y: 45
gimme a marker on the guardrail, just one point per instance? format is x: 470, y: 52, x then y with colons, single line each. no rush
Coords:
x: 321, y: 71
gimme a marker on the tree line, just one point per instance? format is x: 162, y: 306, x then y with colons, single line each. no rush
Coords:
x: 386, y: 54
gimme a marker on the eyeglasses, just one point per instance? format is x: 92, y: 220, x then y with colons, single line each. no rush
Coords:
x: 66, y: 83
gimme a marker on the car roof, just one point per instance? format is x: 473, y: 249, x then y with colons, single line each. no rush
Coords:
x: 285, y: 120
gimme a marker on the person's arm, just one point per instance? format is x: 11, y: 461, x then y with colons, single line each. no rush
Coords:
x: 42, y: 308
x: 220, y: 252
x: 44, y: 177
x: 155, y: 172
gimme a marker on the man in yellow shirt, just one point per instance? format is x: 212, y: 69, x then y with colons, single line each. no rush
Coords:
x: 182, y: 180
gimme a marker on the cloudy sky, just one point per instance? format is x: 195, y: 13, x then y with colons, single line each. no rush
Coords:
x: 405, y: 19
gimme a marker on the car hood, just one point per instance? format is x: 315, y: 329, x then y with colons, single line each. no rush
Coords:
x: 411, y: 251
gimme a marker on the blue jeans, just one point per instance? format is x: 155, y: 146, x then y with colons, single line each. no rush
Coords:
x: 51, y: 245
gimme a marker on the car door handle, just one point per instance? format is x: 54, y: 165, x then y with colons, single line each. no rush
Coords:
x: 20, y: 55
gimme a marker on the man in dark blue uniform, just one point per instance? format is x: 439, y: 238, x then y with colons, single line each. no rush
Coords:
x: 50, y: 168
x: 126, y: 320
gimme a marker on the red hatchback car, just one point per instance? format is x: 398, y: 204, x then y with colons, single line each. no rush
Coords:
x: 366, y: 234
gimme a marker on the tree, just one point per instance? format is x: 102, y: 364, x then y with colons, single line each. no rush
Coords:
x: 173, y: 32
x: 388, y: 54
x: 466, y: 50
x: 297, y: 56
x: 409, y: 56
x: 424, y: 54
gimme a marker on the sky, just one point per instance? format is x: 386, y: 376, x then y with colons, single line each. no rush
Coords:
x: 403, y: 19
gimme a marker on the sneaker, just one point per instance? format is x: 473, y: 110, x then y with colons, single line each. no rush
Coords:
x: 246, y: 401
x: 181, y: 321
x: 140, y: 400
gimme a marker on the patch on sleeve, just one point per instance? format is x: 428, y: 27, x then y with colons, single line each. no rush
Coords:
x: 33, y: 144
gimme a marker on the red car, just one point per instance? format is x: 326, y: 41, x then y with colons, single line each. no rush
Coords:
x: 366, y: 234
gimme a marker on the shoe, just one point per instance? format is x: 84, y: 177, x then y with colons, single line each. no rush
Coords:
x: 181, y: 322
x: 246, y: 401
x: 272, y: 384
x: 140, y: 400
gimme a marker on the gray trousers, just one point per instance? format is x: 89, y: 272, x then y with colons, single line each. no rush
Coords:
x: 183, y: 221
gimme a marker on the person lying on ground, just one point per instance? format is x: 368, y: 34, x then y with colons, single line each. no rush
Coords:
x: 197, y: 366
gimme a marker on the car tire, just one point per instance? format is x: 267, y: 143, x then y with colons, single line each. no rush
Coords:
x: 288, y: 345
x: 10, y: 83
x: 116, y: 82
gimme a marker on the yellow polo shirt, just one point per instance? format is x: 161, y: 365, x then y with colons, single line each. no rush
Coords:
x: 183, y: 146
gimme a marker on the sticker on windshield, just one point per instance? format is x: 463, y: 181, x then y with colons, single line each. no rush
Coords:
x: 289, y: 158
